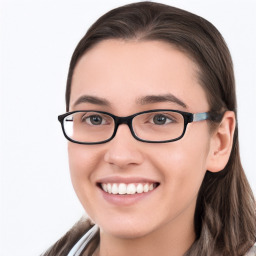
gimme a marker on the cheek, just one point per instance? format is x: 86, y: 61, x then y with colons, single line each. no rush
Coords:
x: 81, y: 159
x: 183, y: 163
x: 82, y: 162
x: 182, y: 160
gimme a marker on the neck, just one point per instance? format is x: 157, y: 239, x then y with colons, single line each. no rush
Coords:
x: 173, y: 238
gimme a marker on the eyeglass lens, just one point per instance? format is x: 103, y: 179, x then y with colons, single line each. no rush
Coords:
x: 93, y: 127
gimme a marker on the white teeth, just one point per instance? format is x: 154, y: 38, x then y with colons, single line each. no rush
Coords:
x: 145, y: 188
x: 109, y: 188
x: 122, y: 189
x: 105, y: 187
x: 139, y: 188
x: 129, y: 189
x: 114, y: 189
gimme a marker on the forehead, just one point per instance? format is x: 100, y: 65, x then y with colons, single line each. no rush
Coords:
x: 123, y: 71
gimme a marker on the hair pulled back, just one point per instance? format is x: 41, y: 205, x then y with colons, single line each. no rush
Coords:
x: 225, y: 217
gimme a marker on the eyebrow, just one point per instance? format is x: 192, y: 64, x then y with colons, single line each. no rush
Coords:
x: 93, y: 100
x: 161, y: 98
x: 149, y: 99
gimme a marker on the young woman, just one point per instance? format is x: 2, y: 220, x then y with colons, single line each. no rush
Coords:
x: 153, y: 139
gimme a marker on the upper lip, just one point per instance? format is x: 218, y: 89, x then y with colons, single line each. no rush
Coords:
x: 126, y: 180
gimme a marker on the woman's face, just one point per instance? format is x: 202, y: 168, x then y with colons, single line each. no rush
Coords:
x: 118, y: 76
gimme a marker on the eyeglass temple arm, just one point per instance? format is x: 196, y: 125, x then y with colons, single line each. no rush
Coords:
x: 208, y: 116
x: 200, y: 116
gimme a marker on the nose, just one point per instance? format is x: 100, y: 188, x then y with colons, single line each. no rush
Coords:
x: 123, y: 150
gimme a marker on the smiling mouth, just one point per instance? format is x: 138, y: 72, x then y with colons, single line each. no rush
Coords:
x: 127, y: 189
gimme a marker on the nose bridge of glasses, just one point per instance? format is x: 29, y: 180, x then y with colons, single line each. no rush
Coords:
x: 123, y: 120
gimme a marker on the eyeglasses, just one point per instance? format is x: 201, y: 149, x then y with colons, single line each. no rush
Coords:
x: 152, y: 126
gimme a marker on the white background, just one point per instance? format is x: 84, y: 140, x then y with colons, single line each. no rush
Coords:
x: 37, y: 38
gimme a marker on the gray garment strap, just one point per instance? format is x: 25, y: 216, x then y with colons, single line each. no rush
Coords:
x: 83, y: 241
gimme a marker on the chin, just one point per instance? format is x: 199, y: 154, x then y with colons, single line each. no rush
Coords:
x: 127, y: 233
x: 126, y: 228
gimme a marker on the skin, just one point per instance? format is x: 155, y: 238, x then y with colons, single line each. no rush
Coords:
x: 162, y: 222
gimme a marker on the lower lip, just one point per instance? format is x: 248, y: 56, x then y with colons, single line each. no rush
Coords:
x: 125, y: 200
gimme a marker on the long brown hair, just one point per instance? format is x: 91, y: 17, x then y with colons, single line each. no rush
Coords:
x: 225, y: 217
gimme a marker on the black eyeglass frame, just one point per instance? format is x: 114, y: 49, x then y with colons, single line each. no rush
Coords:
x: 187, y: 117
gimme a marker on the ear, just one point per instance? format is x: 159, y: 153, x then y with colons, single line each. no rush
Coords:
x: 221, y: 143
